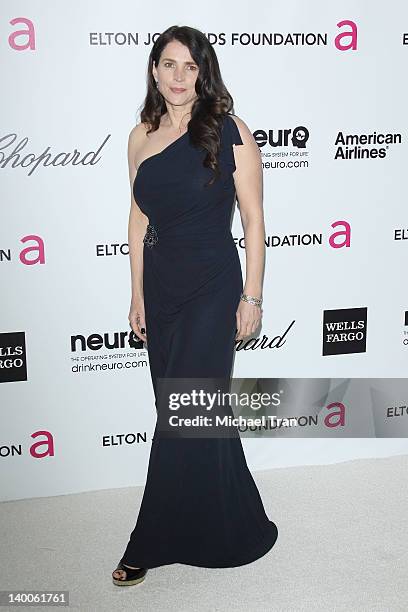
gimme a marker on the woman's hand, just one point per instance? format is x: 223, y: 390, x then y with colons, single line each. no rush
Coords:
x: 137, y: 318
x: 248, y: 319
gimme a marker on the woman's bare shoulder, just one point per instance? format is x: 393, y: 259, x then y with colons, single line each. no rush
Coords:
x: 137, y: 134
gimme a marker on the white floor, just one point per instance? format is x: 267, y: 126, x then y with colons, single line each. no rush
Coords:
x: 342, y: 546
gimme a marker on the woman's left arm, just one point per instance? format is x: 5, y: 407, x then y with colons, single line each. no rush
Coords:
x: 248, y: 178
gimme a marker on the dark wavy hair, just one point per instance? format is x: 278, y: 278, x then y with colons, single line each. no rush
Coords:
x: 213, y: 101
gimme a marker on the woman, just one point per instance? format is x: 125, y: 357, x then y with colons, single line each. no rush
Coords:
x: 200, y: 504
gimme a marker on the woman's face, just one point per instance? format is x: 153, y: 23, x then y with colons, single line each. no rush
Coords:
x: 177, y: 73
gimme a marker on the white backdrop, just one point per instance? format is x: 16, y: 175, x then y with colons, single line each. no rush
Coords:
x: 73, y: 77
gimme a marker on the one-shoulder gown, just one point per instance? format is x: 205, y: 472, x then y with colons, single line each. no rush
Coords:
x: 200, y: 505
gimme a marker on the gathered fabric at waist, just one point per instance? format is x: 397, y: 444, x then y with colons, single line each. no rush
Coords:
x: 176, y: 271
x: 179, y: 236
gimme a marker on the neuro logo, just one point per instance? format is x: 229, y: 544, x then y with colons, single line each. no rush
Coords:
x: 298, y: 136
x: 107, y: 340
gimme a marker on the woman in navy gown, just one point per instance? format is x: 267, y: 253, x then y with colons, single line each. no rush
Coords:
x: 200, y: 504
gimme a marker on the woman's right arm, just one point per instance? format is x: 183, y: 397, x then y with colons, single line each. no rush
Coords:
x: 136, y: 231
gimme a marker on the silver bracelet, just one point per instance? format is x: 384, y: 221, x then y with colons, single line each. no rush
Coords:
x: 251, y: 300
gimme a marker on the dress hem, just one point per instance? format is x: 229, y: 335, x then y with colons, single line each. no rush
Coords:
x: 264, y: 545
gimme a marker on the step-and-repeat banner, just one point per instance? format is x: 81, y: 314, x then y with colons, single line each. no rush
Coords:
x: 321, y: 86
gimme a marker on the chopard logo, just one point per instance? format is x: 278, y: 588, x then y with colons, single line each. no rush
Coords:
x: 11, y: 154
x: 262, y: 343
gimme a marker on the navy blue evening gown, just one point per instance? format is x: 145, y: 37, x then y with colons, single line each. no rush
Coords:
x: 200, y: 504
